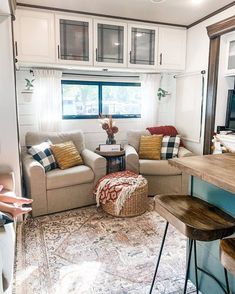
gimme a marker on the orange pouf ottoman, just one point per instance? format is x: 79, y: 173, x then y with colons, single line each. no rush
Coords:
x: 122, y: 194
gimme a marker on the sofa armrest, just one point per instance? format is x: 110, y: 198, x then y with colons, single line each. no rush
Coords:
x: 96, y: 162
x: 183, y: 152
x: 35, y: 184
x: 132, y: 159
x: 7, y: 254
x: 8, y: 181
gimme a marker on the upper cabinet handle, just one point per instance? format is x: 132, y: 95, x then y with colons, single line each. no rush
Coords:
x: 58, y: 51
x: 161, y: 59
x: 16, y: 49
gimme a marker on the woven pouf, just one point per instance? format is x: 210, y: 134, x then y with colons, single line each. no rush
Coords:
x: 137, y: 200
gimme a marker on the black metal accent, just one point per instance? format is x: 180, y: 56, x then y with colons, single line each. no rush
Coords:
x: 191, y: 188
x: 188, y: 265
x: 160, y: 58
x: 226, y: 280
x: 214, y: 278
x: 159, y: 257
x: 195, y: 264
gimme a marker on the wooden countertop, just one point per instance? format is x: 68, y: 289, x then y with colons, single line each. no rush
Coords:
x: 216, y: 169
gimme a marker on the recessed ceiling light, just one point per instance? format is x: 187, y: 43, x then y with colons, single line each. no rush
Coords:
x: 157, y: 1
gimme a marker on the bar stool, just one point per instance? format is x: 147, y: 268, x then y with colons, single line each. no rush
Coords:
x: 227, y: 255
x: 197, y: 220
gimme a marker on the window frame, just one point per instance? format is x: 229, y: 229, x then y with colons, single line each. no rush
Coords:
x: 100, y: 84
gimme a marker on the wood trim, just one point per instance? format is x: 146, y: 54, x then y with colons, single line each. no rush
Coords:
x: 213, y: 69
x: 214, y: 31
x: 225, y: 26
x: 99, y: 15
x: 211, y: 14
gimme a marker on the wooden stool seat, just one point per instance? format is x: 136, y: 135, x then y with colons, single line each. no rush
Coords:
x: 195, y: 218
x: 227, y: 254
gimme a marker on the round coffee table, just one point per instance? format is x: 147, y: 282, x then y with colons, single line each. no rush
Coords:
x: 115, y: 160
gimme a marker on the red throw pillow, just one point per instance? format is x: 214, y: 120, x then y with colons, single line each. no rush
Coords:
x: 165, y: 131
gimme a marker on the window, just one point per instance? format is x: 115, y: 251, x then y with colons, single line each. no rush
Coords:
x: 82, y: 99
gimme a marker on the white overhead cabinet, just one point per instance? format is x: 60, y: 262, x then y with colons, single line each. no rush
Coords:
x: 34, y: 36
x: 142, y: 45
x: 230, y: 56
x: 74, y: 40
x: 110, y: 43
x: 68, y: 39
x: 171, y: 48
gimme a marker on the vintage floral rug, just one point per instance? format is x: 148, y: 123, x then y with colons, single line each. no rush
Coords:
x: 85, y: 251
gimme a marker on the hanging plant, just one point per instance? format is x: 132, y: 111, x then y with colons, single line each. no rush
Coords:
x: 161, y: 93
x: 29, y: 84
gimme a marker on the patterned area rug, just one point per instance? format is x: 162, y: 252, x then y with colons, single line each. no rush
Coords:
x: 85, y: 251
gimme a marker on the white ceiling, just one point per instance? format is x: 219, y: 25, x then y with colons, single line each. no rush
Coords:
x: 182, y: 12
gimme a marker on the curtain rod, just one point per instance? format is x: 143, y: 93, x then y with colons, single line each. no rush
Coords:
x: 202, y: 72
x: 89, y: 75
x: 98, y: 75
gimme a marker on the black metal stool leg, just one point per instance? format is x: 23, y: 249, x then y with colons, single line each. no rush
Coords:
x: 226, y: 280
x: 188, y: 265
x: 195, y: 264
x: 159, y: 257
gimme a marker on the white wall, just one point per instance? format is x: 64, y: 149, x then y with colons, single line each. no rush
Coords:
x: 94, y: 135
x: 197, y: 60
x: 9, y: 155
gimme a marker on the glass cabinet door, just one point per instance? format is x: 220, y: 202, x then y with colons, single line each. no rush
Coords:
x: 231, y: 55
x: 110, y: 43
x: 142, y: 46
x: 74, y: 40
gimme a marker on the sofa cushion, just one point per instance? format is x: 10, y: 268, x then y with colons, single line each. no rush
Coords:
x: 34, y: 138
x: 76, y: 175
x: 157, y: 168
x: 66, y: 155
x: 165, y: 131
x: 170, y: 147
x: 150, y: 147
x: 43, y: 154
x: 133, y: 138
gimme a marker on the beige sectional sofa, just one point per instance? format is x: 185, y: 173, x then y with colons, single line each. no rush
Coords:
x: 59, y: 190
x: 162, y: 177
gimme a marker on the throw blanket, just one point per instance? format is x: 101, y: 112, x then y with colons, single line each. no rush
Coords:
x: 118, y: 187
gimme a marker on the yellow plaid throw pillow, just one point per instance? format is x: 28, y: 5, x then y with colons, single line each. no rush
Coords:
x: 150, y: 147
x: 66, y: 154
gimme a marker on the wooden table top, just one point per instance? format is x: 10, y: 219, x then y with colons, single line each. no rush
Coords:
x: 216, y: 169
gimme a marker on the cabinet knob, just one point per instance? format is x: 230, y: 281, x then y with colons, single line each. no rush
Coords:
x: 58, y: 51
x: 16, y: 49
x: 160, y: 59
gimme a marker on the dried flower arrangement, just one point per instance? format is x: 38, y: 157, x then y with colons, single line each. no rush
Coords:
x: 108, y: 125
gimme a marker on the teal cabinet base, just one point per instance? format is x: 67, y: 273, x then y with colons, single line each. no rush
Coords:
x: 208, y: 252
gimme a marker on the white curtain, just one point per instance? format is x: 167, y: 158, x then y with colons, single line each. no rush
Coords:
x: 47, y: 94
x: 149, y: 87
